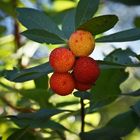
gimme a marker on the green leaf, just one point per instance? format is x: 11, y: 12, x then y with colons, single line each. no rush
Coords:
x: 106, y: 92
x: 119, y: 126
x: 122, y: 57
x: 137, y: 22
x: 21, y: 134
x: 41, y: 96
x: 99, y: 24
x: 112, y: 65
x: 41, y: 82
x: 42, y: 36
x: 136, y: 108
x: 82, y: 94
x: 28, y: 74
x: 134, y: 93
x: 39, y: 119
x: 67, y: 103
x: 2, y: 29
x: 7, y: 7
x: 123, y: 36
x: 128, y: 2
x: 35, y: 19
x: 68, y: 24
x: 56, y: 126
x: 85, y: 10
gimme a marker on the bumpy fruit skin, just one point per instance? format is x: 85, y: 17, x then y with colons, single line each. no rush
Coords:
x: 86, y: 70
x: 81, y: 43
x: 62, y: 83
x: 61, y: 60
x: 81, y: 86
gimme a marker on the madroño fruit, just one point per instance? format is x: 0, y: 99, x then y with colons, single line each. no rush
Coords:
x: 86, y: 70
x: 81, y: 86
x: 61, y: 60
x: 62, y: 83
x: 81, y: 43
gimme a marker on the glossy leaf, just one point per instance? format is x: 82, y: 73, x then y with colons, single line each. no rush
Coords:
x: 134, y: 93
x: 82, y: 94
x: 115, y: 128
x: 42, y: 36
x: 123, y: 36
x: 68, y: 24
x: 99, y: 24
x: 128, y: 2
x: 106, y: 92
x: 21, y: 134
x: 41, y: 96
x: 85, y: 10
x: 120, y: 59
x: 136, y: 108
x: 112, y: 65
x: 35, y: 19
x: 39, y: 119
x: 41, y: 82
x: 123, y: 57
x: 27, y: 74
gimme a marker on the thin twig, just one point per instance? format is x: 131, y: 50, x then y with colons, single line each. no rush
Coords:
x: 82, y: 115
x: 24, y: 110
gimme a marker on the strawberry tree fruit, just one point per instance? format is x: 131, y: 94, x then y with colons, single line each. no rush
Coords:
x: 86, y: 70
x: 81, y: 86
x: 81, y: 43
x: 62, y: 83
x: 61, y: 60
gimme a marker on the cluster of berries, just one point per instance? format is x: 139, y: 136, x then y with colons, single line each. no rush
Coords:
x: 73, y: 69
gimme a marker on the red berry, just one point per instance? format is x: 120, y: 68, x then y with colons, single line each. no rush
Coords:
x: 86, y: 70
x: 62, y: 60
x: 62, y: 83
x: 81, y: 86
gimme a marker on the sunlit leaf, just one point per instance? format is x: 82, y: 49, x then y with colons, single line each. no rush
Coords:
x: 35, y: 19
x: 21, y: 134
x: 42, y: 36
x: 68, y: 25
x: 27, y: 74
x: 123, y: 36
x: 115, y: 128
x: 99, y: 24
x: 39, y: 119
x: 85, y: 10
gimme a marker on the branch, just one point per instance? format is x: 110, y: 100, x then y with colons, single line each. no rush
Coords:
x: 82, y: 115
x: 24, y: 110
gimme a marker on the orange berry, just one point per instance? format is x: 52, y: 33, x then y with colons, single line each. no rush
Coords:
x: 62, y: 83
x: 81, y: 43
x: 62, y: 60
x: 86, y: 70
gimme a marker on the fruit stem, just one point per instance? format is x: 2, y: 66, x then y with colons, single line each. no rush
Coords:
x: 82, y: 115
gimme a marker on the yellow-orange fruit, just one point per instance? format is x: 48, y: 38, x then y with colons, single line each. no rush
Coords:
x: 62, y: 83
x: 61, y: 60
x: 81, y: 86
x: 86, y: 70
x: 81, y: 43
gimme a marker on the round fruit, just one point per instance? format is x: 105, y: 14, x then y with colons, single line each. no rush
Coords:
x: 86, y: 70
x: 81, y: 86
x: 61, y: 60
x: 81, y: 43
x: 62, y: 83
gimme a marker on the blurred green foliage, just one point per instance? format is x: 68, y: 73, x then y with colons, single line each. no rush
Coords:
x: 30, y: 110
